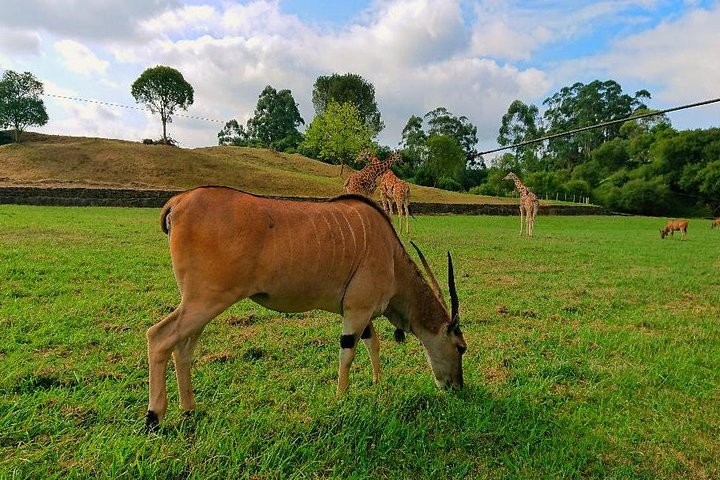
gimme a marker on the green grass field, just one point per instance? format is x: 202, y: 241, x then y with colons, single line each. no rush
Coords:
x: 594, y: 352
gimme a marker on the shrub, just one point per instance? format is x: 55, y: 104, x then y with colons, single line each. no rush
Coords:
x: 447, y: 183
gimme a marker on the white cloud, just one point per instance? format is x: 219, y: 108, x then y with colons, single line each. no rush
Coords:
x: 189, y: 19
x: 415, y: 53
x: 677, y: 58
x: 80, y: 59
x: 89, y: 19
x: 18, y: 42
x: 419, y: 54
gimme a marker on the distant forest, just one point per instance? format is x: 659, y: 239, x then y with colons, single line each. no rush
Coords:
x: 642, y: 166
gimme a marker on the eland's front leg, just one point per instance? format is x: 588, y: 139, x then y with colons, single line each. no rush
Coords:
x: 355, y: 323
x: 348, y: 344
x: 372, y: 343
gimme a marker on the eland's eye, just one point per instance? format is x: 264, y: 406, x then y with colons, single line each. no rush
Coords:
x: 461, y: 349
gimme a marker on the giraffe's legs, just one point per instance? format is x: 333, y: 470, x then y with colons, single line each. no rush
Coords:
x: 521, y: 220
x: 532, y: 220
x: 406, y: 207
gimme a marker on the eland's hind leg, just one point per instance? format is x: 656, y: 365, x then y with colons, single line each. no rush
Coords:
x: 182, y: 356
x: 160, y: 343
x: 175, y: 335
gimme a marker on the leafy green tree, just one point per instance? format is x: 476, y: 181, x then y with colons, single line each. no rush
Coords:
x: 494, y: 184
x: 337, y: 135
x: 419, y: 135
x: 20, y: 102
x: 645, y: 197
x: 577, y: 188
x: 520, y: 124
x: 233, y: 134
x: 642, y: 133
x: 414, y: 149
x: 274, y: 124
x: 446, y: 159
x: 584, y: 105
x: 443, y: 123
x: 164, y: 90
x: 547, y: 182
x: 348, y: 88
x: 709, y: 187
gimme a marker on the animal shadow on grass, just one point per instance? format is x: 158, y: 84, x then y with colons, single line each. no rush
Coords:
x: 510, y: 432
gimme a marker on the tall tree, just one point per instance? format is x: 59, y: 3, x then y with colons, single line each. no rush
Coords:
x: 584, y: 105
x: 413, y: 145
x: 442, y: 122
x: 446, y: 159
x: 348, y: 88
x: 520, y: 124
x: 421, y: 141
x: 164, y: 90
x: 337, y: 135
x: 20, y: 102
x: 233, y: 134
x: 276, y: 119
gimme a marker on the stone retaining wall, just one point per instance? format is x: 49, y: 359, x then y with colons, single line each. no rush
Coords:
x: 120, y: 197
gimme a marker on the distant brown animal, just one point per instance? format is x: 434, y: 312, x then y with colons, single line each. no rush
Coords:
x: 715, y: 223
x: 340, y: 255
x: 675, y: 226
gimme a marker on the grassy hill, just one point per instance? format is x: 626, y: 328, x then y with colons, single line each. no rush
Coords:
x: 50, y: 160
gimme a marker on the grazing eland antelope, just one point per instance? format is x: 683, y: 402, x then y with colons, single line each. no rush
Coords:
x: 340, y: 255
x: 675, y: 226
x: 715, y: 223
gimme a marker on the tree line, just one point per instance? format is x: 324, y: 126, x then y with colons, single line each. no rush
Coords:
x: 642, y: 166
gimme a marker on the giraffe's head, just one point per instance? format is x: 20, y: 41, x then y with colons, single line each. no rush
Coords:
x: 511, y: 176
x: 395, y: 158
x: 364, y: 156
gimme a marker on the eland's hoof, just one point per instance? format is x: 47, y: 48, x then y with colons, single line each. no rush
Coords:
x: 152, y: 422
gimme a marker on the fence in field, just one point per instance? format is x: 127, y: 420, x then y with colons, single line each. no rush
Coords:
x: 118, y: 197
x: 560, y: 197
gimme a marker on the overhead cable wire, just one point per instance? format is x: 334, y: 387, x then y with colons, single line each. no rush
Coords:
x: 599, y: 125
x: 131, y: 107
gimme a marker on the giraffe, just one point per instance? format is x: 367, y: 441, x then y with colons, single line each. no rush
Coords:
x: 529, y: 204
x: 364, y: 182
x: 394, y: 189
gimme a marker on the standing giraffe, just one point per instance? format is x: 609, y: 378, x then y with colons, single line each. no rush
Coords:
x: 364, y: 182
x: 529, y: 204
x: 394, y: 189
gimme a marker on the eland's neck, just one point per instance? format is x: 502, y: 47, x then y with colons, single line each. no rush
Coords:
x: 415, y: 307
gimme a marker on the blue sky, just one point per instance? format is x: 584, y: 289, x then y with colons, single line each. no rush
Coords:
x: 472, y: 57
